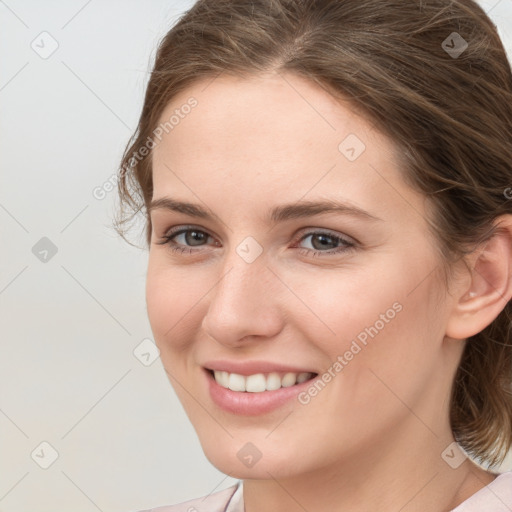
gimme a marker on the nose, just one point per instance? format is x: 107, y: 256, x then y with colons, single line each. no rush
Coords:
x: 244, y: 303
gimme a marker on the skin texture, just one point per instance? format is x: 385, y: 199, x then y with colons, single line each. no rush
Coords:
x: 372, y: 439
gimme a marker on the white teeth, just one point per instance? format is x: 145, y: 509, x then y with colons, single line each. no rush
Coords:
x: 222, y: 378
x: 289, y: 379
x: 259, y: 382
x: 302, y: 377
x: 236, y: 382
x: 255, y: 383
x: 273, y: 381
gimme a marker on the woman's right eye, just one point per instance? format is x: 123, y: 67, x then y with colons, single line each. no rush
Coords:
x: 190, y: 237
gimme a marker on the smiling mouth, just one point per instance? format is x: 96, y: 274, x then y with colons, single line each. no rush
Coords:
x: 259, y: 382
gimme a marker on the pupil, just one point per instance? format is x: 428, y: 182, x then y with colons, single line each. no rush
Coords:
x: 194, y: 236
x: 324, y: 238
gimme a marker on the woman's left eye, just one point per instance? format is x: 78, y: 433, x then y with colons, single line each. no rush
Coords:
x: 318, y: 239
x: 324, y: 240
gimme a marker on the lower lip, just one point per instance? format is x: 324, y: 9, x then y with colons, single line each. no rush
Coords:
x: 252, y: 404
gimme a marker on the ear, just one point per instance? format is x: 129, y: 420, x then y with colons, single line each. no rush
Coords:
x: 490, y: 284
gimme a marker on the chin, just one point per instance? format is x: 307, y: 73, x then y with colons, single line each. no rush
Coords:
x: 244, y: 460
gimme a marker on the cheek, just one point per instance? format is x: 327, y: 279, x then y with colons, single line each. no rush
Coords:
x: 390, y: 352
x: 172, y: 299
x: 341, y: 305
x: 380, y: 321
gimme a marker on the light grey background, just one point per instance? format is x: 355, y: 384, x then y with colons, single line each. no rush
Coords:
x: 70, y: 325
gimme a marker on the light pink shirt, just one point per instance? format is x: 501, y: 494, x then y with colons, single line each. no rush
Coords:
x: 495, y: 497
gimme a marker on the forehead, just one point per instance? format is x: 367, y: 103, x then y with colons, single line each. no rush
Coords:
x: 272, y: 134
x: 263, y: 106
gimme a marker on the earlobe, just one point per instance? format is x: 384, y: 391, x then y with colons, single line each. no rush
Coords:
x: 490, y: 285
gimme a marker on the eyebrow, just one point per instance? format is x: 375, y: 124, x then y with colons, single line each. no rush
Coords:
x: 277, y: 214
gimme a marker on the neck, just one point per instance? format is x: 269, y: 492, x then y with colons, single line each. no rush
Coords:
x: 376, y: 480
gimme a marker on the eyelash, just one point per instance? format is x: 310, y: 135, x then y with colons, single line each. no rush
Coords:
x: 344, y: 248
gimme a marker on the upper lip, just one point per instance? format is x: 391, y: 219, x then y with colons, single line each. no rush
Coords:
x: 252, y: 367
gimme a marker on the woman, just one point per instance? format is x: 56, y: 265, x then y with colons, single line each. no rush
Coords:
x: 326, y: 189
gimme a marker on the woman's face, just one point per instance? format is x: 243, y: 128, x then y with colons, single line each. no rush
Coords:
x: 265, y: 282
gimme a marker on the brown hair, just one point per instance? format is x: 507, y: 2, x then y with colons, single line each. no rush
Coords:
x: 406, y: 67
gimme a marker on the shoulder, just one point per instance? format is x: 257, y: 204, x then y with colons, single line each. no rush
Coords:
x: 494, y: 497
x: 216, y: 502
